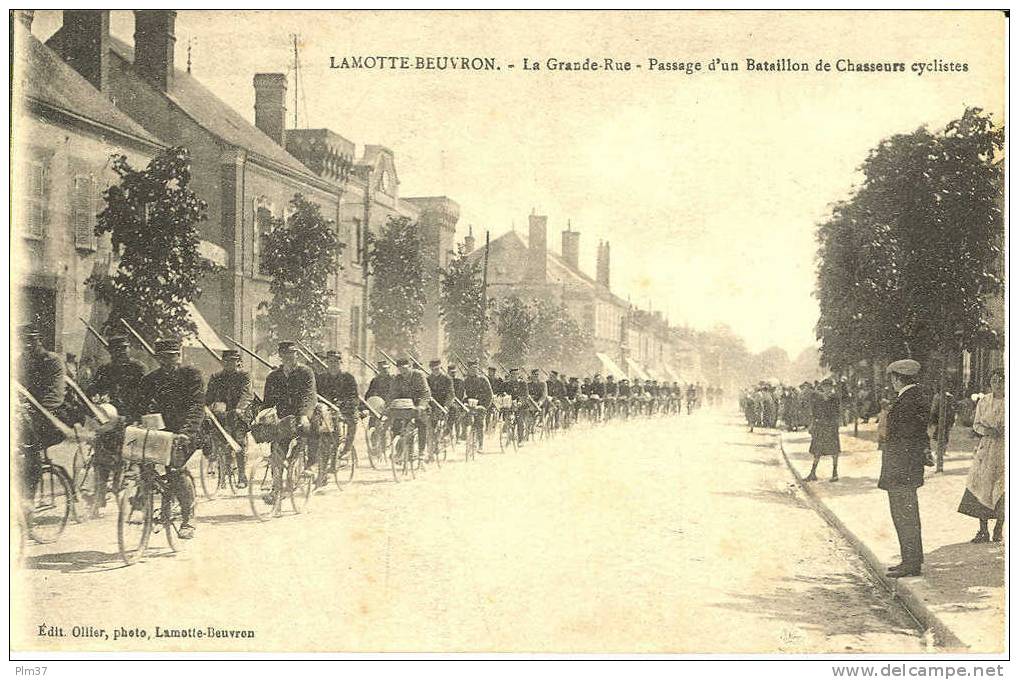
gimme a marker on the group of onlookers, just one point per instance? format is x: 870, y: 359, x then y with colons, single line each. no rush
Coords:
x: 907, y: 414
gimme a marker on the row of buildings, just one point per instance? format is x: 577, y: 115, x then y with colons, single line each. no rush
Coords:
x: 84, y: 94
x: 627, y: 341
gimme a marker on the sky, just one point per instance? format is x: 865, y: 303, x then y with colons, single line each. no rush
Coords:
x: 709, y: 186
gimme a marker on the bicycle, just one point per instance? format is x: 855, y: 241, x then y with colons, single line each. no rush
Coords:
x: 508, y: 437
x: 49, y: 505
x: 403, y: 453
x: 474, y: 431
x: 143, y: 490
x: 216, y: 468
x: 281, y: 475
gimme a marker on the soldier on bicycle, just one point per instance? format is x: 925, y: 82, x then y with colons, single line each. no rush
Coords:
x: 41, y: 372
x: 441, y: 386
x: 411, y: 385
x: 339, y: 387
x: 114, y: 382
x: 290, y: 389
x: 477, y: 387
x: 229, y: 397
x: 178, y: 393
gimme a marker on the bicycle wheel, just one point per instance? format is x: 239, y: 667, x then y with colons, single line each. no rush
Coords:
x: 260, y: 492
x: 51, y: 505
x: 208, y: 473
x: 299, y: 479
x: 170, y: 514
x: 134, y: 520
x: 85, y: 491
x: 396, y: 457
x: 225, y: 475
x: 376, y: 446
x: 469, y: 432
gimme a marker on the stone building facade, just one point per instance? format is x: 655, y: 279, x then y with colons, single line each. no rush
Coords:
x: 248, y: 172
x: 66, y: 130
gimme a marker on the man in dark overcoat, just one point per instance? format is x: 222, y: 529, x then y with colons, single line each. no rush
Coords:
x: 902, y: 463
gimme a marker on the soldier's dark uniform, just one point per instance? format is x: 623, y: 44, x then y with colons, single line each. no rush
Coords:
x: 341, y: 389
x: 177, y: 393
x: 233, y: 388
x: 414, y: 386
x: 478, y: 387
x: 517, y: 390
x: 116, y: 382
x: 497, y: 383
x: 41, y: 373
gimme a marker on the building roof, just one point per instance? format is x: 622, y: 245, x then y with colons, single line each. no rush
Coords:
x: 209, y: 111
x: 47, y: 79
x: 512, y: 247
x: 215, y: 115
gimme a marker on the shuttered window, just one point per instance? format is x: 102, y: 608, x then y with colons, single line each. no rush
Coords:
x: 36, y: 214
x: 83, y: 211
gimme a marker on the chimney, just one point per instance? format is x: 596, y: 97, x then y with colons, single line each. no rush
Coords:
x: 469, y: 239
x: 537, y: 258
x: 86, y: 44
x: 153, y: 45
x: 602, y: 275
x: 571, y: 247
x: 270, y: 105
x: 25, y: 16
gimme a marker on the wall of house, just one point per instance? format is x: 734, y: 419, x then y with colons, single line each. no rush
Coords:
x: 75, y: 169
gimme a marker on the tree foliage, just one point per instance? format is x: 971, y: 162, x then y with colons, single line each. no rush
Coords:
x: 397, y: 296
x: 514, y: 322
x: 557, y: 339
x: 905, y: 265
x: 463, y: 307
x: 300, y: 256
x: 153, y: 219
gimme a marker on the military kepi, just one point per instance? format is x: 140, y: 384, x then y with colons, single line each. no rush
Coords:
x: 286, y: 346
x: 904, y: 367
x: 166, y: 346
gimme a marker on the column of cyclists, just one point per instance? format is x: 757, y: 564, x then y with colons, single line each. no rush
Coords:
x: 304, y: 428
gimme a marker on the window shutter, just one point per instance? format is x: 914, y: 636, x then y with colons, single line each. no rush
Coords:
x: 35, y: 217
x: 82, y: 211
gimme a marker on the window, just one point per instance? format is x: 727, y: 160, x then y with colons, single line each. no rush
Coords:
x: 83, y: 211
x: 36, y: 215
x: 357, y: 241
x: 263, y: 227
x: 355, y: 329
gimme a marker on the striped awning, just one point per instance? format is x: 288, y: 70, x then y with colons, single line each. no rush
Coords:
x: 636, y: 370
x: 611, y: 367
x: 205, y: 332
x: 671, y: 373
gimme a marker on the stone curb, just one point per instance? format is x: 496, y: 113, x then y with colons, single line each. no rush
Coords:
x: 901, y: 589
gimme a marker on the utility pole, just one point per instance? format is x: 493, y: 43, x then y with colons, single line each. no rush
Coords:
x: 484, y: 291
x: 294, y: 37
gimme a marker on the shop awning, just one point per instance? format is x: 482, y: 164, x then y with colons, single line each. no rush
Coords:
x: 636, y: 370
x: 671, y: 373
x: 205, y: 331
x: 611, y: 367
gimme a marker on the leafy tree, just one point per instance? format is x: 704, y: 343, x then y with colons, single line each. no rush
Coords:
x: 514, y: 322
x: 152, y: 216
x: 557, y: 339
x: 463, y: 307
x: 904, y: 267
x: 300, y: 255
x: 397, y: 296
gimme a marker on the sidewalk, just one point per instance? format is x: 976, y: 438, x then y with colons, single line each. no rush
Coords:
x: 961, y: 595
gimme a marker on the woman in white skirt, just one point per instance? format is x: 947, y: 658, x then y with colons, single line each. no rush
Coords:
x: 984, y: 498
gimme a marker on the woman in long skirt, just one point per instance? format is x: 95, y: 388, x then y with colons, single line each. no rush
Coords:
x: 825, y: 417
x: 984, y: 498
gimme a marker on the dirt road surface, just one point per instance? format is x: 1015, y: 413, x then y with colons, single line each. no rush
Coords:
x: 678, y: 534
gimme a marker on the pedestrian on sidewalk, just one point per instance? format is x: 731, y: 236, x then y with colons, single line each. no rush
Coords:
x: 902, y: 463
x: 984, y: 497
x: 826, y: 414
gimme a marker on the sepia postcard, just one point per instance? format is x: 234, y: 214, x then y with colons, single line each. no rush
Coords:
x: 528, y: 332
